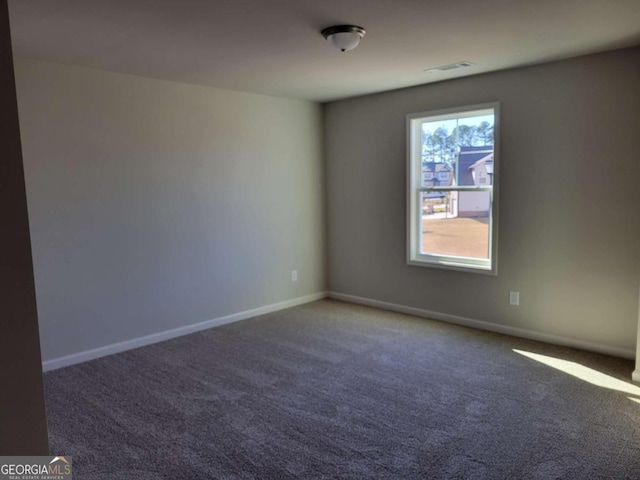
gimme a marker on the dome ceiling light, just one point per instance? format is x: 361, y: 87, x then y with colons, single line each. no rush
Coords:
x: 344, y: 37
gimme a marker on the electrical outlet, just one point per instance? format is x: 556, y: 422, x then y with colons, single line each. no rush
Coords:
x: 514, y: 298
x: 294, y: 275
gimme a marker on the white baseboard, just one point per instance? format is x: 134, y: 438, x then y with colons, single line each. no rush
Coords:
x: 635, y: 376
x: 493, y: 327
x: 92, y: 354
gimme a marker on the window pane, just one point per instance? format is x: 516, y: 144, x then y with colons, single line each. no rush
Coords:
x: 458, y: 151
x: 455, y: 223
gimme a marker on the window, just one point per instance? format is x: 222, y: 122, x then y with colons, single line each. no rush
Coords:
x: 453, y: 223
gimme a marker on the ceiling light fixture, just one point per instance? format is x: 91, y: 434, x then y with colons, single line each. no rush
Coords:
x: 344, y: 37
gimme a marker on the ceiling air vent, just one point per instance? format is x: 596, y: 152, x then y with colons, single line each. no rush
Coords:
x: 451, y: 66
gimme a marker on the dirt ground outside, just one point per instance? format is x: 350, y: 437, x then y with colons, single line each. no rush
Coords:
x: 462, y: 237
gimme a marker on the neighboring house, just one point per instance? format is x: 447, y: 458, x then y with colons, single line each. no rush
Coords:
x: 474, y: 167
x: 482, y: 170
x: 436, y: 173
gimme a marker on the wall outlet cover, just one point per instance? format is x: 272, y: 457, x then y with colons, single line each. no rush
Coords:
x: 514, y: 298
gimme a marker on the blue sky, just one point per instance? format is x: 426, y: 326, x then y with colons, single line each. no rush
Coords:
x: 430, y: 127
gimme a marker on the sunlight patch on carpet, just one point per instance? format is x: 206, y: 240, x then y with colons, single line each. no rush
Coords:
x: 583, y: 373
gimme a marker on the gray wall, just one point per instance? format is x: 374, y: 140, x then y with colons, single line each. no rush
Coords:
x: 156, y: 205
x: 23, y: 428
x: 569, y: 228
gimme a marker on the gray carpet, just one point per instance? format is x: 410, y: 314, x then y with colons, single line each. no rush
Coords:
x: 332, y: 390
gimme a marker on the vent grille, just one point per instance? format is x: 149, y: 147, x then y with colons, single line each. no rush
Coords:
x: 451, y: 66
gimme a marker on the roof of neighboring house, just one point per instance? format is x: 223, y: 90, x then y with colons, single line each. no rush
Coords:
x: 467, y: 157
x: 488, y: 159
x: 436, y: 166
x: 434, y: 195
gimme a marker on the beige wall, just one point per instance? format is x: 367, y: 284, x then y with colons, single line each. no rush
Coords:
x: 569, y: 228
x: 156, y: 205
x: 23, y: 427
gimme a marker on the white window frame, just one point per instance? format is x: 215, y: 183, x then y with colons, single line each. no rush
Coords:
x: 414, y: 190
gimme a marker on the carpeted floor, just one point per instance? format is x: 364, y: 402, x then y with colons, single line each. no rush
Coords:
x: 332, y: 390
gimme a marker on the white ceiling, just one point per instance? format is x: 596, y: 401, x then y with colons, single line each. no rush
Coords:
x: 274, y: 47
